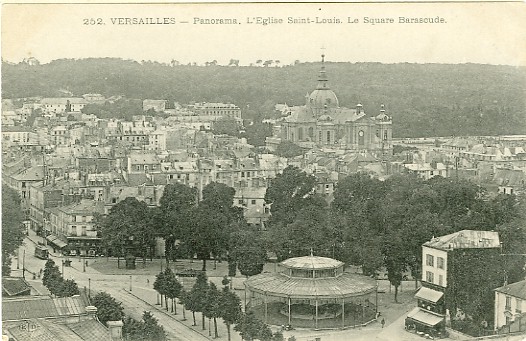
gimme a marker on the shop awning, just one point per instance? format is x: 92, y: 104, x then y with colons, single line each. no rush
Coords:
x: 429, y: 294
x: 425, y: 317
x: 56, y: 240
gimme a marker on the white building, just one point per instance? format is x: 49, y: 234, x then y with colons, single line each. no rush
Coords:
x: 158, y: 105
x: 427, y: 170
x: 62, y: 105
x: 510, y: 307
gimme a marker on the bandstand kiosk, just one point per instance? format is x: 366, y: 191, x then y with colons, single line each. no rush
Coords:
x: 312, y: 292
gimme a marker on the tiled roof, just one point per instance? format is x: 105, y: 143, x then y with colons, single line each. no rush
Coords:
x: 34, y: 330
x: 136, y: 179
x: 143, y: 159
x: 84, y: 206
x: 509, y: 177
x: 90, y: 330
x: 64, y: 100
x: 466, y: 239
x: 23, y: 308
x: 14, y: 286
x: 15, y: 129
x: 517, y: 289
x: 277, y: 284
x: 29, y: 174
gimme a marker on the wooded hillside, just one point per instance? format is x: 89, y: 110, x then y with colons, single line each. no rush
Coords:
x: 424, y: 99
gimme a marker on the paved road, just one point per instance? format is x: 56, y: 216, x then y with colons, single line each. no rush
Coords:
x: 115, y: 285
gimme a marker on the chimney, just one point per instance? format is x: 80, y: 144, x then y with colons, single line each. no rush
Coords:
x: 115, y: 328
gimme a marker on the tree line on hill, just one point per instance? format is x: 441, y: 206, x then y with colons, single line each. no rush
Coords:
x: 424, y: 99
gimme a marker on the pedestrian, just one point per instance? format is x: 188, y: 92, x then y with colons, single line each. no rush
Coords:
x: 382, y: 322
x: 147, y: 281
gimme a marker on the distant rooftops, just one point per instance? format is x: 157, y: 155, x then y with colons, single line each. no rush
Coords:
x: 466, y: 239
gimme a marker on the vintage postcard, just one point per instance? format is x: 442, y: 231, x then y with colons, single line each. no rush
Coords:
x: 310, y: 171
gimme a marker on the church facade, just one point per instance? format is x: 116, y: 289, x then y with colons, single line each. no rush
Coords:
x: 322, y: 123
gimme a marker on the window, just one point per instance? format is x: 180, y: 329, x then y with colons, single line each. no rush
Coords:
x: 84, y: 231
x: 240, y: 201
x: 83, y: 218
x: 508, y: 303
x: 441, y: 280
x: 253, y: 201
x: 328, y: 136
x: 73, y: 230
x: 440, y: 262
x: 430, y: 260
x: 430, y: 276
x: 518, y: 308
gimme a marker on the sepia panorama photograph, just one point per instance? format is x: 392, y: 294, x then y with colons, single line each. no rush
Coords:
x: 263, y: 171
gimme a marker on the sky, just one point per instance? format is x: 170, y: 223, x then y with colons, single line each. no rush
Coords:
x: 486, y: 33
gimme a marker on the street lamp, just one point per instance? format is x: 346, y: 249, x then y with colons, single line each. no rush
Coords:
x: 130, y: 283
x: 89, y: 289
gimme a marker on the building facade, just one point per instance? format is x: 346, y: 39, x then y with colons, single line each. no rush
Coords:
x: 510, y: 308
x: 321, y: 122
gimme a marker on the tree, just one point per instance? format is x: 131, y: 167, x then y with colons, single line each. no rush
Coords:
x: 288, y: 149
x: 173, y: 288
x: 175, y: 210
x: 248, y: 251
x: 472, y: 276
x: 12, y: 227
x: 288, y: 193
x: 196, y: 298
x: 108, y: 309
x: 128, y: 228
x: 213, y: 307
x: 230, y: 308
x: 226, y: 125
x: 257, y: 133
x: 250, y: 328
x: 146, y: 330
x: 153, y: 331
x: 69, y: 288
x: 160, y: 285
x: 208, y: 230
x: 52, y: 278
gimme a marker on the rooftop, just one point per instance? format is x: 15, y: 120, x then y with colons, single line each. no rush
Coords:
x: 517, y: 289
x: 277, y: 284
x: 311, y: 262
x: 28, y: 307
x: 466, y: 239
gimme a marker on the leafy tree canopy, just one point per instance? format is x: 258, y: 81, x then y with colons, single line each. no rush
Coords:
x: 12, y: 228
x: 108, y: 308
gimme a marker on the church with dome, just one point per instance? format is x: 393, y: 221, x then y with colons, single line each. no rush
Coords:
x: 322, y: 123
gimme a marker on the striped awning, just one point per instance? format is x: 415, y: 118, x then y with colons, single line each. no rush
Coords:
x: 425, y: 317
x: 56, y: 241
x: 429, y: 294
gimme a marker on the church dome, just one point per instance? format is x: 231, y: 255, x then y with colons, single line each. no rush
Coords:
x: 322, y: 97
